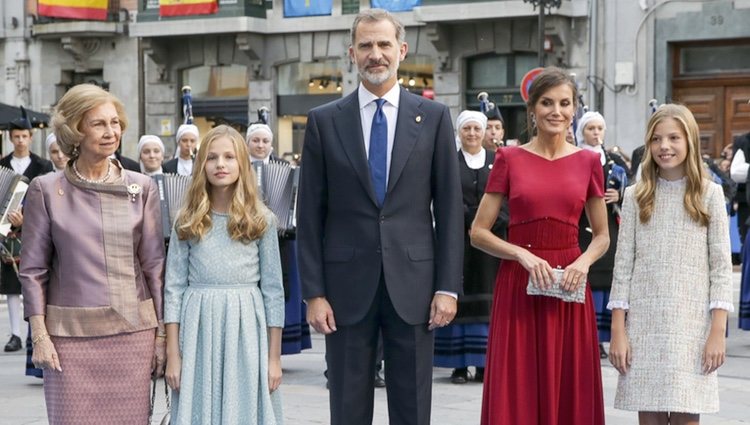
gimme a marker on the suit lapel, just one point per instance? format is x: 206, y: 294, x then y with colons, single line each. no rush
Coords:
x: 408, y: 126
x: 349, y: 128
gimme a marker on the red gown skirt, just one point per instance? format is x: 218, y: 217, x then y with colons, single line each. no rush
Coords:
x: 543, y: 365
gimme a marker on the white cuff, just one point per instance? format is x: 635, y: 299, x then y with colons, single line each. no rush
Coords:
x: 721, y: 305
x: 622, y: 305
x: 449, y: 293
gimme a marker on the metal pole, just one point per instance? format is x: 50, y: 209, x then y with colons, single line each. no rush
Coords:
x: 541, y: 33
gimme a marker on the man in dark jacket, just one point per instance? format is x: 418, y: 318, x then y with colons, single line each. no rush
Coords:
x: 22, y: 161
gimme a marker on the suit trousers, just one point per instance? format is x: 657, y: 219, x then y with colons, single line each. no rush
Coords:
x: 407, y: 350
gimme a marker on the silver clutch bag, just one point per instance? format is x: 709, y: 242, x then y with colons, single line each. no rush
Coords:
x: 555, y: 291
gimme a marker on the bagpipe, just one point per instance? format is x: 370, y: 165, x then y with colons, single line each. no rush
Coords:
x: 187, y: 105
x: 278, y: 184
x: 617, y: 176
x: 485, y: 105
x: 173, y: 187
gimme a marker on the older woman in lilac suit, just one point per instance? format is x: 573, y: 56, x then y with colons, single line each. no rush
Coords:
x: 92, y: 271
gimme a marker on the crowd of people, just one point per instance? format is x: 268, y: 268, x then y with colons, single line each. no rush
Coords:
x: 414, y: 244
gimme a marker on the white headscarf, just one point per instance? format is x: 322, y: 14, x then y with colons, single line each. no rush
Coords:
x: 581, y: 125
x: 51, y: 138
x: 148, y: 138
x: 183, y: 130
x: 258, y: 127
x: 470, y: 116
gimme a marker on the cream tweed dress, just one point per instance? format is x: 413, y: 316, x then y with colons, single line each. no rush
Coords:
x: 669, y: 274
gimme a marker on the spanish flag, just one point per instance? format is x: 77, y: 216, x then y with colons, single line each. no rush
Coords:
x: 187, y: 7
x: 74, y: 9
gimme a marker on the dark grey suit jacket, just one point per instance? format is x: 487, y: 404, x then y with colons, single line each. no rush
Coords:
x: 345, y: 239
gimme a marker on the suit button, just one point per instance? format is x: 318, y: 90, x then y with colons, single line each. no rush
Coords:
x: 378, y: 251
x: 382, y: 218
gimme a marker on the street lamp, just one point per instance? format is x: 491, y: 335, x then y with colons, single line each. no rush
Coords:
x: 543, y: 4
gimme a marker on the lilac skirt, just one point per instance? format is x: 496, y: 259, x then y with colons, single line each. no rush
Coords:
x: 104, y: 380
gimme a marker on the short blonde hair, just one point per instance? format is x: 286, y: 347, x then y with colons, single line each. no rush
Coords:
x: 69, y: 112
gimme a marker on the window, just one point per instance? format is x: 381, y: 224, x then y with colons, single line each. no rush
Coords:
x: 217, y: 81
x: 714, y: 59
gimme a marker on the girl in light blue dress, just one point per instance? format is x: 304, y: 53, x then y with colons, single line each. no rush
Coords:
x: 223, y: 295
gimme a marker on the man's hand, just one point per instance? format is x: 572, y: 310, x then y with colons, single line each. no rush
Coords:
x: 320, y: 315
x: 442, y: 310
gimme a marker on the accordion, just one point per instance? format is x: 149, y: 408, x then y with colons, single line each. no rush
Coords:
x: 13, y: 189
x: 277, y: 185
x: 172, y: 191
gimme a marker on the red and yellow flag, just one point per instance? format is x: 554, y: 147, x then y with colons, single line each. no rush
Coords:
x: 74, y: 9
x: 187, y: 7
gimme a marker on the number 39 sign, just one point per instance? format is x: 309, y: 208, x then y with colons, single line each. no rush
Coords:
x: 526, y: 82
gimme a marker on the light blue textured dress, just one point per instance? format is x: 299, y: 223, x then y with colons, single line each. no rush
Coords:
x: 224, y: 294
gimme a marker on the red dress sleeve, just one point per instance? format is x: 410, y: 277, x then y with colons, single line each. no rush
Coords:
x: 498, y: 180
x: 596, y: 183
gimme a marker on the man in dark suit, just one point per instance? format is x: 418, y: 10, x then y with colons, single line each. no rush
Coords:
x: 380, y: 230
x: 22, y: 161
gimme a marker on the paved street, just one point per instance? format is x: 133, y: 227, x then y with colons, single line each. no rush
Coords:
x: 306, y: 398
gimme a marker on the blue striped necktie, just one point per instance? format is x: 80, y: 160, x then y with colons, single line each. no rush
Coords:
x: 378, y: 149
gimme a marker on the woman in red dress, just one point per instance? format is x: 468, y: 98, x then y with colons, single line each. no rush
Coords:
x: 543, y: 365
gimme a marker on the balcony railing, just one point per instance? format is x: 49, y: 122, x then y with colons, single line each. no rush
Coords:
x: 148, y: 10
x: 115, y: 13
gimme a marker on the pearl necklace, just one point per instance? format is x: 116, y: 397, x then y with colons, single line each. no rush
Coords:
x: 99, y: 181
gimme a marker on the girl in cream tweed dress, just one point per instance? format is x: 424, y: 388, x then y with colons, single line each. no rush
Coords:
x: 672, y: 280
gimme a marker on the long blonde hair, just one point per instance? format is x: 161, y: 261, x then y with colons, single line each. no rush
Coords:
x: 246, y: 211
x: 646, y: 187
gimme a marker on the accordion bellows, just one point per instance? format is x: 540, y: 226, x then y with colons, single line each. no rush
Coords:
x: 172, y: 191
x: 277, y: 185
x: 13, y: 187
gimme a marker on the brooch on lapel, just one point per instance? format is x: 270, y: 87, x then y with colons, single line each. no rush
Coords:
x: 418, y: 119
x: 133, y: 190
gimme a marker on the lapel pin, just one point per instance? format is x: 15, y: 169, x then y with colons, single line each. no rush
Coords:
x: 60, y: 192
x: 489, y: 166
x: 418, y: 119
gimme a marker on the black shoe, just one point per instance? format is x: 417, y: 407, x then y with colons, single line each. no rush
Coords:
x: 379, y: 381
x: 479, y: 375
x: 14, y: 344
x: 460, y: 376
x: 602, y: 351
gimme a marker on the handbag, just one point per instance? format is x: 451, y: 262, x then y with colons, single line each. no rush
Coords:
x: 167, y: 416
x: 556, y: 291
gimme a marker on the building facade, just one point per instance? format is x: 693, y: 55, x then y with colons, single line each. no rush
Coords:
x: 250, y: 54
x: 692, y: 52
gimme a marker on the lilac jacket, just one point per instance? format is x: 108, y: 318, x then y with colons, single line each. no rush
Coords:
x: 93, y: 255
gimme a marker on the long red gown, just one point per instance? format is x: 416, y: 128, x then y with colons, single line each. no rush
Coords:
x: 543, y: 365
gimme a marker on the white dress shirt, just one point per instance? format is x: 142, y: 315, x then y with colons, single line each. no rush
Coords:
x: 738, y: 169
x: 367, y: 109
x: 20, y: 164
